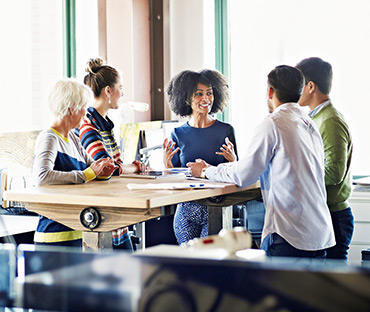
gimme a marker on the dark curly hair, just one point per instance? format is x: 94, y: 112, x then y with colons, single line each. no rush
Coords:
x: 182, y: 87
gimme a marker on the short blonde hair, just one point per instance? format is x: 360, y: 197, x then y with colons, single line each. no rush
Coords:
x: 66, y: 94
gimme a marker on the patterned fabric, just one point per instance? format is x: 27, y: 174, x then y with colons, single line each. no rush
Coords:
x: 190, y: 221
x: 120, y: 236
x: 60, y: 160
x: 96, y: 135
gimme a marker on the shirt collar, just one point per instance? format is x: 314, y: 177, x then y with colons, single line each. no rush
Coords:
x: 286, y: 105
x: 104, y: 124
x: 318, y: 108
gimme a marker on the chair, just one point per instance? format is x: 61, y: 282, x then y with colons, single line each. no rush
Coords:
x: 143, y: 141
x: 251, y: 215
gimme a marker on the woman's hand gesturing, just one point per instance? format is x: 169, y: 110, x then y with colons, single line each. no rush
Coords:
x: 227, y: 150
x: 168, y: 152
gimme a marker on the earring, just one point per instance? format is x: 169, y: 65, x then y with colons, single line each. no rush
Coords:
x: 109, y: 100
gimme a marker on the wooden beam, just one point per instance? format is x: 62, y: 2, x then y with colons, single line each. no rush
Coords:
x: 156, y: 59
x: 96, y: 240
x: 102, y: 29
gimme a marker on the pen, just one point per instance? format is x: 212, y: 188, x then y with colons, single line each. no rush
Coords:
x: 194, y: 185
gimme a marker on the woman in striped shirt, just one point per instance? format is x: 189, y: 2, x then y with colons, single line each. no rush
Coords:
x: 96, y: 129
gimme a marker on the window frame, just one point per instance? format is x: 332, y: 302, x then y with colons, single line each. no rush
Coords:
x: 69, y: 38
x: 222, y: 46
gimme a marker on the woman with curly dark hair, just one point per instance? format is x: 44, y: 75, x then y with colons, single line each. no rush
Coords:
x: 197, y: 95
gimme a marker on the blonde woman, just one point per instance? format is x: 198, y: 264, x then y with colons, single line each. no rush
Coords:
x: 60, y: 158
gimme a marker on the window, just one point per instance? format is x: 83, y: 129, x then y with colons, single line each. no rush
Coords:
x: 86, y: 35
x: 31, y: 57
x: 266, y: 33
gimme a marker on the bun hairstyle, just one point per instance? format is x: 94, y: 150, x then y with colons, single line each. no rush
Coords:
x: 93, y: 65
x: 100, y: 76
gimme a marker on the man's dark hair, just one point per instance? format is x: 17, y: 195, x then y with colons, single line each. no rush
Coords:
x: 287, y: 82
x: 318, y: 71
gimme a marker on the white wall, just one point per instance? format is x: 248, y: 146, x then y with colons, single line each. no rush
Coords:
x: 191, y: 35
x: 128, y: 51
x: 189, y: 38
x: 31, y: 54
x: 259, y: 42
x: 86, y: 35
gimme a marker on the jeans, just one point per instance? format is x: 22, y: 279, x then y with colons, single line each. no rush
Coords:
x: 343, y: 230
x: 73, y: 243
x: 281, y: 248
x: 254, y: 219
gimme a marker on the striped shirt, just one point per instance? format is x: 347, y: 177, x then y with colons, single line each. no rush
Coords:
x: 96, y: 135
x: 59, y: 160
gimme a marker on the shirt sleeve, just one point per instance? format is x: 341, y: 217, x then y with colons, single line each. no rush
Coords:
x: 46, y: 149
x: 176, y: 158
x: 92, y: 141
x: 335, y: 137
x: 259, y: 153
x: 231, y: 136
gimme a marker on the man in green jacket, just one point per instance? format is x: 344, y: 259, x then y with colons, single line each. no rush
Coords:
x: 337, y: 141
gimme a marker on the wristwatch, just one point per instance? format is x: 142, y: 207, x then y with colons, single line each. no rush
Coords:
x: 203, y: 173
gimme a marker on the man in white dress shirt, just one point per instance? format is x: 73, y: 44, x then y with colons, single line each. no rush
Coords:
x: 286, y: 154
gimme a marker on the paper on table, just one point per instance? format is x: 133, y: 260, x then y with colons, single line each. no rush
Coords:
x: 155, y: 174
x: 172, y: 186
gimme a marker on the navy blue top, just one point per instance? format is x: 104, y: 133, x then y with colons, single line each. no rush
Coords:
x: 201, y: 143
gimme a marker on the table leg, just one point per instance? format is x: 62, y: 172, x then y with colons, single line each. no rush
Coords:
x: 219, y: 218
x: 140, y: 232
x: 96, y: 240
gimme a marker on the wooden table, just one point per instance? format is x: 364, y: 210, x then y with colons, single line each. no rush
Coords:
x: 98, y: 207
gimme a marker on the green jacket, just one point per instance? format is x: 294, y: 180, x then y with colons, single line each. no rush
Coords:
x: 338, y: 155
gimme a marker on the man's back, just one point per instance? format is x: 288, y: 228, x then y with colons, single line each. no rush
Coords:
x: 293, y: 186
x: 287, y: 154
